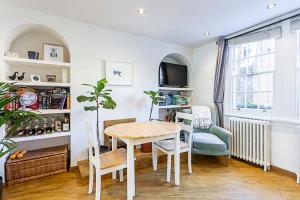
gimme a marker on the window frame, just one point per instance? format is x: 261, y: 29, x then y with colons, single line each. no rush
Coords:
x: 232, y: 61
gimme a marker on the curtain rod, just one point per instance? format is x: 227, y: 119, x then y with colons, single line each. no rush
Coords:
x: 265, y: 24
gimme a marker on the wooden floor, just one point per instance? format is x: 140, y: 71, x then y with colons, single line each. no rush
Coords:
x: 211, y: 180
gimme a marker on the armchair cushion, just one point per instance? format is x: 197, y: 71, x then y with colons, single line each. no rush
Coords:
x: 209, y: 144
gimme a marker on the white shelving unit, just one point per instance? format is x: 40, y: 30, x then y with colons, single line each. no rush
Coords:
x: 164, y: 110
x: 40, y: 137
x: 41, y: 84
x: 174, y: 89
x: 13, y: 61
x: 52, y: 111
x: 174, y: 106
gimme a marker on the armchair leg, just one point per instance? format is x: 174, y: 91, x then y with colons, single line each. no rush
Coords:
x: 227, y: 160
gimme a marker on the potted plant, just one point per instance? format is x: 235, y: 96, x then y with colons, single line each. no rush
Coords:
x: 155, y: 98
x: 100, y: 98
x: 14, y: 118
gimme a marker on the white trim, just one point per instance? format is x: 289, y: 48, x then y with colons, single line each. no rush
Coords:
x: 41, y: 137
x: 266, y: 23
x: 271, y: 119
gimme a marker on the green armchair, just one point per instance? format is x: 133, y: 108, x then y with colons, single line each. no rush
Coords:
x: 214, y: 141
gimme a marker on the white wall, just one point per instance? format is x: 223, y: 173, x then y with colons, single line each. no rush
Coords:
x: 89, y: 46
x: 284, y: 138
x: 205, y: 58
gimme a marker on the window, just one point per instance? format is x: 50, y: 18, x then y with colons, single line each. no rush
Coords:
x: 252, y: 70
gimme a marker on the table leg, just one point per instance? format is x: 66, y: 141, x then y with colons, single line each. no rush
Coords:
x: 114, y: 146
x: 177, y: 158
x: 130, y: 171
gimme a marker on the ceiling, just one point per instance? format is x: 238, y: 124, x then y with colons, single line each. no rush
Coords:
x: 181, y: 22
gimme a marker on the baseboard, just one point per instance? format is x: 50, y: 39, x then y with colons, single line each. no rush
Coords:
x: 273, y: 168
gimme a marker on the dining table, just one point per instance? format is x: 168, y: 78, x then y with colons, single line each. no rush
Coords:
x: 136, y: 133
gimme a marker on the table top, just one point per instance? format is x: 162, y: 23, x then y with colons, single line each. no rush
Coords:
x: 139, y: 130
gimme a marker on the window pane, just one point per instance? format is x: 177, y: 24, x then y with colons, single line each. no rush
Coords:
x: 254, y: 49
x: 238, y: 84
x: 265, y: 80
x: 268, y: 46
x: 252, y: 100
x: 264, y: 65
x: 266, y: 100
x: 253, y: 66
x: 238, y: 100
x: 252, y: 83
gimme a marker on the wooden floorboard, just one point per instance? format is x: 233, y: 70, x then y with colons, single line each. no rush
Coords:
x: 211, y: 180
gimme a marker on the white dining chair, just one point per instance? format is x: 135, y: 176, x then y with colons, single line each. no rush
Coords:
x: 167, y: 146
x: 105, y: 163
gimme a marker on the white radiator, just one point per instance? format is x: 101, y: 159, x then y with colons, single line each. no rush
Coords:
x: 251, y: 140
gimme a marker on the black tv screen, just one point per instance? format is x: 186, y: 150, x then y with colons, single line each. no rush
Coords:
x: 172, y: 75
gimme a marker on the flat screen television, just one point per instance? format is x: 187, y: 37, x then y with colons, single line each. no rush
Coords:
x: 172, y: 75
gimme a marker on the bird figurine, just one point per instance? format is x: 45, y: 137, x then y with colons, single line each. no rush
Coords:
x: 13, y: 77
x: 20, y: 78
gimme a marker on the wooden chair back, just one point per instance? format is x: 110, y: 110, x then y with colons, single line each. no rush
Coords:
x: 94, y: 153
x: 108, y: 123
x: 186, y: 127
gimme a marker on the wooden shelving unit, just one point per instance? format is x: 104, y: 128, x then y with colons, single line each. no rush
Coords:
x: 41, y: 84
x: 52, y: 111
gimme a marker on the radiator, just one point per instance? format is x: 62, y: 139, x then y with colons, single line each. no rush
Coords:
x: 251, y: 140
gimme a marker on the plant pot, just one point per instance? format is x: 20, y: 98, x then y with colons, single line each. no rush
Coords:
x: 1, y: 182
x: 146, y: 148
x: 104, y: 148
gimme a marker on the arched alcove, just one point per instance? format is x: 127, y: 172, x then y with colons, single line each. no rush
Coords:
x: 28, y: 37
x: 32, y: 37
x: 176, y: 58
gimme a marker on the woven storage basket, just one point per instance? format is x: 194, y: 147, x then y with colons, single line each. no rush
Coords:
x: 36, y: 164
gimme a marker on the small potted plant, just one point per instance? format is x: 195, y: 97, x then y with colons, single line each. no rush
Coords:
x: 14, y: 118
x: 155, y: 98
x: 100, y: 97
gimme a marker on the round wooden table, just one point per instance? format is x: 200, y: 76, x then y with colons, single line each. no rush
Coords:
x: 136, y: 133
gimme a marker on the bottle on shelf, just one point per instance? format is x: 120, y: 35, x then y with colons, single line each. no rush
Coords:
x: 66, y: 125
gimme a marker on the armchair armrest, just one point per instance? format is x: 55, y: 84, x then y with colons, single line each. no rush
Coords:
x: 223, y: 134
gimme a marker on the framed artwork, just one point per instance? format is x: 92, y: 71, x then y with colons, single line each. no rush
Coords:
x: 54, y: 52
x: 118, y: 73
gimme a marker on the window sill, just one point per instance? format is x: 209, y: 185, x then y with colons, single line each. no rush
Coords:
x: 295, y: 121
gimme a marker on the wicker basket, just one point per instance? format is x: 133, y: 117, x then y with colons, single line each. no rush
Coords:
x: 36, y: 164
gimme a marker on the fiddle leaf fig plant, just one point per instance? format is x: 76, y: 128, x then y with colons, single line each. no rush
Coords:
x: 13, y: 118
x: 99, y: 97
x: 155, y: 98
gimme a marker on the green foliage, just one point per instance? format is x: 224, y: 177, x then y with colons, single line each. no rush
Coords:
x: 154, y: 95
x: 99, y: 96
x: 15, y: 118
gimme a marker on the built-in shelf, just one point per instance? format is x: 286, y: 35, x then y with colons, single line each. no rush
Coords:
x: 41, y: 84
x: 175, y: 89
x: 174, y: 106
x: 51, y: 111
x: 40, y: 137
x: 38, y: 63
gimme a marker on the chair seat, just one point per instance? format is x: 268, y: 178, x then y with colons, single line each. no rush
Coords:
x: 169, y: 144
x: 208, y: 142
x: 113, y: 158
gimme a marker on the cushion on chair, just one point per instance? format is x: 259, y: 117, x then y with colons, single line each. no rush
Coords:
x: 169, y: 144
x: 208, y: 142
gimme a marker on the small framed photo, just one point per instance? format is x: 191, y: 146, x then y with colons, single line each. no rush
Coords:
x: 54, y: 52
x: 118, y: 73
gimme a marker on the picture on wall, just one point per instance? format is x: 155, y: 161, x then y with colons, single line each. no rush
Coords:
x: 53, y: 52
x: 118, y: 73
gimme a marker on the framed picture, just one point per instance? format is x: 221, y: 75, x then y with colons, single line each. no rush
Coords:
x: 118, y: 73
x: 53, y: 52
